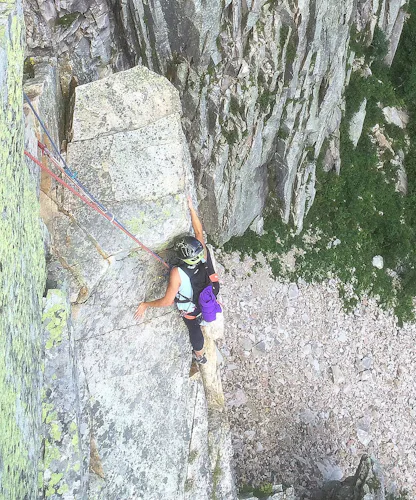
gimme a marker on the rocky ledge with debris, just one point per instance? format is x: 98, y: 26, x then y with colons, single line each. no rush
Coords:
x: 310, y: 388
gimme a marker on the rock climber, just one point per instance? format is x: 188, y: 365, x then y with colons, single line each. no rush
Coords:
x: 192, y: 286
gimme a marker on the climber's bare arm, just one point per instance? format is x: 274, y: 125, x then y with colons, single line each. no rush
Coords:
x: 167, y: 300
x: 196, y: 224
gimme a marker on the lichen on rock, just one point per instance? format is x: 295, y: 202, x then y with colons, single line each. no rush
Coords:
x: 22, y: 277
x: 64, y: 405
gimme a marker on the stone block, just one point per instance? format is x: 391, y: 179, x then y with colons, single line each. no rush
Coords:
x: 129, y: 100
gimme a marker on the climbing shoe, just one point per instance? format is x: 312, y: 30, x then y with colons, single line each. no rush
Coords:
x: 201, y: 360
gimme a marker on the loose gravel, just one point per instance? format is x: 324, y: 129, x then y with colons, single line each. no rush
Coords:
x: 309, y: 387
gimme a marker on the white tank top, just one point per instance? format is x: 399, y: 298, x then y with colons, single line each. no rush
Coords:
x: 186, y: 291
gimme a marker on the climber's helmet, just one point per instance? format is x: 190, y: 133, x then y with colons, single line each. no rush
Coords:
x: 190, y: 250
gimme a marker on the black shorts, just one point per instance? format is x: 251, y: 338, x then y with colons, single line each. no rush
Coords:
x: 195, y: 332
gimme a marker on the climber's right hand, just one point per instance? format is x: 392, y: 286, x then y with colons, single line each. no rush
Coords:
x: 140, y: 310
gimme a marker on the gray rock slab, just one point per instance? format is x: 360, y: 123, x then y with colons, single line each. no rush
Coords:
x: 130, y: 153
x: 116, y: 296
x: 219, y: 439
x: 65, y: 421
x: 153, y: 223
x: 77, y: 253
x: 396, y: 116
x: 115, y: 104
x: 139, y: 391
x: 145, y: 163
x: 357, y: 122
x: 129, y: 149
x: 198, y: 484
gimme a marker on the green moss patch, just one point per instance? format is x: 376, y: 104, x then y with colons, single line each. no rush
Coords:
x: 66, y: 20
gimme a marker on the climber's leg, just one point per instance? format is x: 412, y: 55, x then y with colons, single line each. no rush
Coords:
x: 196, y: 338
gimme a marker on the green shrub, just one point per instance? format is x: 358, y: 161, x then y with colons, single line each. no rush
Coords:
x: 357, y: 41
x: 234, y: 105
x: 264, y: 490
x: 29, y: 68
x: 291, y: 50
x: 231, y: 136
x: 379, y: 45
x: 265, y: 99
x: 284, y: 31
x: 376, y: 50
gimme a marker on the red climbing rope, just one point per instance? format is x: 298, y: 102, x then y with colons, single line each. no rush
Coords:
x: 80, y: 190
x: 86, y: 199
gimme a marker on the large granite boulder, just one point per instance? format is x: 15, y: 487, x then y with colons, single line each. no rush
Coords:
x: 129, y: 150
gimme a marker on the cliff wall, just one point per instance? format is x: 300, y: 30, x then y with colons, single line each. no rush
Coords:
x: 261, y: 84
x: 22, y: 277
x: 93, y: 404
x: 261, y: 88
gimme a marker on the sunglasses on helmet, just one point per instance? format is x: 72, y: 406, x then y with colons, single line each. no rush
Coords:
x: 194, y: 260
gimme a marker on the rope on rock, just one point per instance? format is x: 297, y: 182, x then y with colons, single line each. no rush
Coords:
x: 79, y: 190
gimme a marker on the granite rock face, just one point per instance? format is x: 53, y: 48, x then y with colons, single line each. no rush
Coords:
x: 126, y: 129
x: 22, y: 277
x: 129, y: 150
x: 261, y: 84
x: 65, y: 414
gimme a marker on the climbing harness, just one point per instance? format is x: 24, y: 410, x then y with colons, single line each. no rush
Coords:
x: 190, y: 316
x: 78, y: 189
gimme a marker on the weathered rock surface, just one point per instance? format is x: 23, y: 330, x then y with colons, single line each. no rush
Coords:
x: 128, y: 148
x: 65, y: 413
x: 261, y: 84
x: 133, y: 155
x: 396, y: 116
x: 357, y: 122
x: 22, y: 277
x: 219, y: 438
x: 391, y: 20
x: 198, y: 482
x: 366, y: 484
